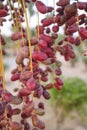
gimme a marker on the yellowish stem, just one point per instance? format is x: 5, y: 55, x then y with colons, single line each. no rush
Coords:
x: 19, y: 2
x: 15, y: 28
x: 2, y: 67
x: 15, y: 24
x: 28, y: 35
x: 29, y: 43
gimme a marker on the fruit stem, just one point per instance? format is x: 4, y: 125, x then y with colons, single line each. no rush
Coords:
x: 28, y: 35
x: 38, y: 26
x: 2, y: 66
x: 19, y: 16
x: 15, y: 28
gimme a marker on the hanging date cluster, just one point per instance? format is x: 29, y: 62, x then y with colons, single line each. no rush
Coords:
x: 36, y: 56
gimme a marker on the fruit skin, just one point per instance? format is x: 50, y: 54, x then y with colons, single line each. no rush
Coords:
x: 39, y: 56
x: 2, y: 108
x: 41, y: 7
x: 19, y: 59
x: 46, y: 95
x: 7, y: 96
x: 25, y: 75
x: 16, y: 100
x: 31, y: 84
x: 49, y: 9
x: 41, y: 29
x: 28, y: 108
x: 3, y: 42
x: 58, y: 71
x: 16, y: 111
x: 63, y: 2
x: 55, y: 28
x: 41, y: 105
x: 47, y: 21
x: 24, y: 52
x: 58, y: 87
x: 71, y: 39
x: 16, y: 126
x: 47, y: 38
x: 35, y: 120
x: 49, y: 86
x: 72, y: 29
x: 39, y: 111
x: 59, y: 81
x: 42, y: 44
x: 48, y: 30
x: 37, y: 123
x: 26, y: 126
x: 72, y: 20
x: 16, y: 36
x: 34, y: 41
x: 82, y: 5
x: 15, y: 77
x: 3, y: 13
x: 83, y: 32
x: 24, y: 92
x: 9, y: 111
x: 70, y: 10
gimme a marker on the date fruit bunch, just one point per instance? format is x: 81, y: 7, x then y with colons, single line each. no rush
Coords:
x: 37, y: 57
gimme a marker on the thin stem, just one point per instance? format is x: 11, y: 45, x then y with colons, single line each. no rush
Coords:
x: 15, y: 24
x: 11, y: 14
x: 15, y: 28
x: 28, y: 35
x: 29, y: 43
x: 20, y: 15
x: 38, y: 39
x: 2, y: 66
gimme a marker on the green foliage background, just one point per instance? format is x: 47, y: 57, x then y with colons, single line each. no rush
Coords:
x: 72, y: 96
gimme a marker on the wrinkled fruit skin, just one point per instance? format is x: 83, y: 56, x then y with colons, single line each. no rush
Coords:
x: 39, y: 56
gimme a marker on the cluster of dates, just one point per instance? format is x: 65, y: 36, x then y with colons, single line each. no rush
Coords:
x: 40, y: 54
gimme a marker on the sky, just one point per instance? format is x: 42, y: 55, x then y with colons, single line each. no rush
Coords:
x: 33, y: 21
